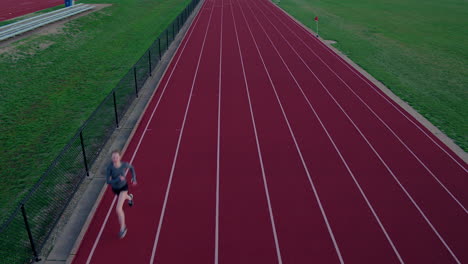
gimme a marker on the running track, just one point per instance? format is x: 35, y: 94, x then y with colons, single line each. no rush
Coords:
x: 263, y: 146
x: 14, y: 8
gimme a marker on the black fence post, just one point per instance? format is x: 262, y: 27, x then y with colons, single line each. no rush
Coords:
x: 115, y: 110
x: 159, y: 47
x: 149, y: 60
x: 167, y: 39
x: 136, y: 82
x: 31, y: 241
x: 84, y: 153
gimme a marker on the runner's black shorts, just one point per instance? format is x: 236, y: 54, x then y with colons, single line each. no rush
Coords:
x: 123, y: 188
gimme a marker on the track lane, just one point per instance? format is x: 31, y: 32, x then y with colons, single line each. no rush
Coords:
x: 429, y: 148
x: 245, y: 235
x: 186, y: 231
x: 349, y: 213
x: 152, y: 165
x: 259, y: 217
x: 14, y: 8
x: 303, y: 235
x: 442, y: 211
x: 451, y: 177
x: 455, y: 216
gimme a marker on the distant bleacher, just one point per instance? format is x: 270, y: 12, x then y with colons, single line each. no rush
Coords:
x: 29, y: 24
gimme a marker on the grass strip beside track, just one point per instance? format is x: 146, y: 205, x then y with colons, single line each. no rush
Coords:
x: 50, y: 84
x: 416, y: 49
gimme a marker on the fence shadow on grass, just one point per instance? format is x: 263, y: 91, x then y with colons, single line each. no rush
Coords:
x: 24, y: 234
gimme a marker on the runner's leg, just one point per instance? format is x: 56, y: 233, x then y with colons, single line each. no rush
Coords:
x: 119, y: 208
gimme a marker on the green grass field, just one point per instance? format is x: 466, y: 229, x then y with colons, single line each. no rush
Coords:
x: 417, y: 49
x: 50, y: 84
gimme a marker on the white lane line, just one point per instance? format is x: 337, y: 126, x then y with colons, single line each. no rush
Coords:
x: 257, y: 141
x: 383, y: 122
x: 100, y: 231
x: 396, y: 179
x: 163, y: 211
x: 219, y: 139
x: 370, y: 84
x: 390, y: 241
x: 98, y: 238
x: 297, y: 148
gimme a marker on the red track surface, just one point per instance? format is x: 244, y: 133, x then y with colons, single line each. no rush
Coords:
x: 14, y: 8
x: 263, y: 146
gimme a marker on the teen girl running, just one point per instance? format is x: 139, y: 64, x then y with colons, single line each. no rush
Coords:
x: 115, y: 177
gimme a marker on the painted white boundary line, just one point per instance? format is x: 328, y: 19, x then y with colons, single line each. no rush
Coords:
x: 265, y: 184
x: 396, y: 179
x: 142, y: 136
x: 219, y: 138
x: 297, y: 146
x: 163, y: 211
x: 331, y: 139
x: 378, y: 117
x: 379, y: 92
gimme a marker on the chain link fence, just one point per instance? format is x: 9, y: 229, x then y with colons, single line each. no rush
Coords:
x: 24, y: 234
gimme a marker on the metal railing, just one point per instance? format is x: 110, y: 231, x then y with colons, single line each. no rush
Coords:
x: 24, y: 234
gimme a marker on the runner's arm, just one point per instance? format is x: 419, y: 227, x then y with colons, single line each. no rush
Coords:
x: 132, y: 170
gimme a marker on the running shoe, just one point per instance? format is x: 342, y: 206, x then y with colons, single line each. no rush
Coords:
x: 130, y: 202
x: 122, y: 233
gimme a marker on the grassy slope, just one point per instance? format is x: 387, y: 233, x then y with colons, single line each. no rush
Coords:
x: 417, y: 49
x: 50, y: 84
